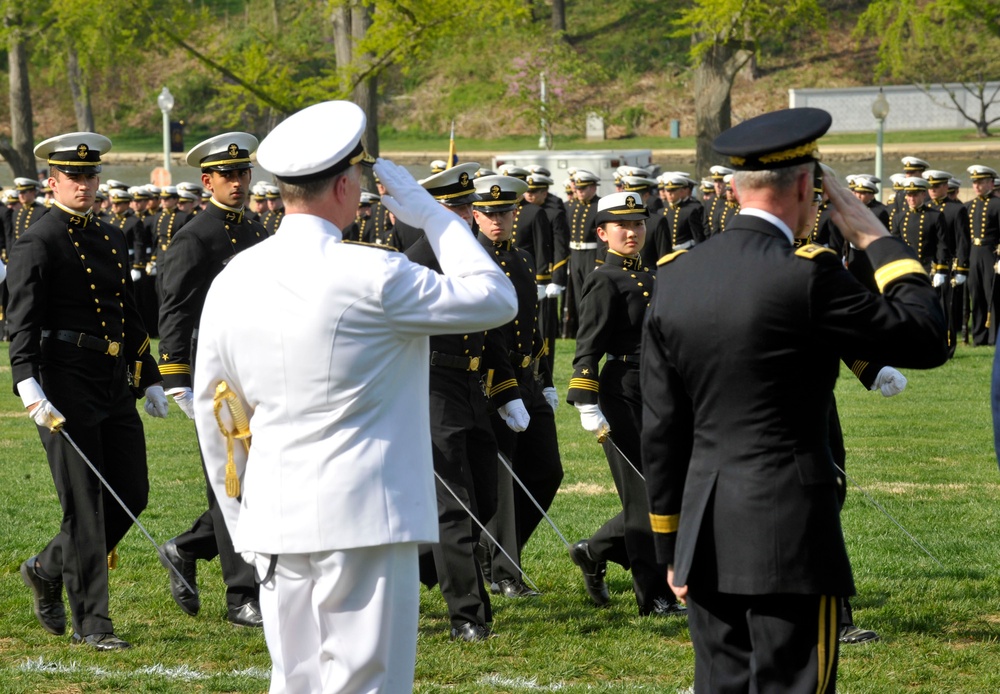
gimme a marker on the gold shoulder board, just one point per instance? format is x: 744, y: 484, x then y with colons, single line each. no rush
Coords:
x: 812, y: 251
x: 669, y: 256
x: 372, y: 245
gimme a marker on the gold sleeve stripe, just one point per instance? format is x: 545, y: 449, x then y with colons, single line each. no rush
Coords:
x: 175, y: 369
x: 584, y: 384
x: 670, y: 256
x: 858, y: 366
x: 542, y: 278
x: 144, y: 347
x: 501, y: 387
x: 664, y: 524
x: 826, y: 645
x: 886, y: 274
x: 560, y: 264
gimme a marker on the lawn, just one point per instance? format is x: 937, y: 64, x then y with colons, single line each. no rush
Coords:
x: 925, y: 455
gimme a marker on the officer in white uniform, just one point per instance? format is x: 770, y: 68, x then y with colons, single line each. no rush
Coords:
x: 337, y: 487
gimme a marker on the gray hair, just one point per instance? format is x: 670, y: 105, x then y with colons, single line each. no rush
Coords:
x: 778, y: 179
x: 304, y: 192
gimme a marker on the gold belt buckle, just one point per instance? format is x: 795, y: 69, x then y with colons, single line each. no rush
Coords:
x: 474, y: 364
x: 978, y: 242
x: 525, y: 362
x: 114, y: 348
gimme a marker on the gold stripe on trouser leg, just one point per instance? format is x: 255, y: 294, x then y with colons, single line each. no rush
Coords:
x: 826, y: 644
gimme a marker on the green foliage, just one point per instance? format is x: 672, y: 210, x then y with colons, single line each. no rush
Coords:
x: 712, y: 22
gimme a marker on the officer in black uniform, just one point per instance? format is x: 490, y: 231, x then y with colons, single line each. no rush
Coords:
x: 379, y: 230
x: 548, y: 307
x: 123, y: 218
x: 79, y: 354
x: 192, y: 201
x: 450, y: 187
x: 465, y: 449
x: 585, y: 249
x: 984, y: 230
x: 195, y: 257
x: 524, y: 423
x: 956, y: 230
x: 612, y: 308
x: 735, y: 443
x: 163, y: 224
x: 356, y: 230
x: 680, y: 225
x: 275, y: 209
x: 715, y: 209
x: 922, y: 228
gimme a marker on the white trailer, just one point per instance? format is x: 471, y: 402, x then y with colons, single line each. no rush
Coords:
x: 601, y: 162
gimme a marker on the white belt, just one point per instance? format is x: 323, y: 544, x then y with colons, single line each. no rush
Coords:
x: 684, y: 246
x: 583, y: 246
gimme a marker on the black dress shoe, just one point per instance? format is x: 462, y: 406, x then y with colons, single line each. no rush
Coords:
x: 470, y: 632
x: 851, y: 634
x: 663, y: 607
x: 593, y: 573
x: 246, y: 615
x: 185, y: 564
x: 101, y: 642
x: 512, y: 588
x: 47, y: 593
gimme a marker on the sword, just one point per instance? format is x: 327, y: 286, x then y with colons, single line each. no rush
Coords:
x: 487, y: 532
x: 510, y: 469
x: 606, y: 437
x: 889, y: 516
x: 56, y: 427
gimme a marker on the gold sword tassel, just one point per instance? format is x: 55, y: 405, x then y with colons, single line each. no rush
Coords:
x: 240, y: 432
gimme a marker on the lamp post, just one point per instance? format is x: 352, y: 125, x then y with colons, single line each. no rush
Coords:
x: 543, y: 141
x: 880, y: 109
x: 166, y: 102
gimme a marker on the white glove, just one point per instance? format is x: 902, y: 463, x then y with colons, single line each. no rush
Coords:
x: 513, y: 413
x: 541, y: 291
x: 997, y: 267
x: 592, y: 420
x: 3, y: 271
x: 939, y: 278
x: 551, y: 397
x: 136, y: 274
x: 151, y: 269
x: 404, y: 197
x: 960, y: 279
x: 553, y: 290
x: 184, y: 399
x: 156, y: 402
x: 889, y: 381
x: 47, y: 416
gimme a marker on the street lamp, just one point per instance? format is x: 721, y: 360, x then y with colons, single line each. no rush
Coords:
x: 880, y: 109
x: 166, y: 102
x: 543, y: 141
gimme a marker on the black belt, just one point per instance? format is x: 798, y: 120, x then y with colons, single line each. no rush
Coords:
x: 632, y: 359
x: 95, y: 344
x: 453, y: 362
x: 519, y: 360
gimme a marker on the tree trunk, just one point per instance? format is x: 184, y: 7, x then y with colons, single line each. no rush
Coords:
x: 559, y: 18
x: 713, y: 82
x: 18, y: 149
x: 366, y: 91
x: 275, y: 16
x: 81, y: 95
x: 343, y: 41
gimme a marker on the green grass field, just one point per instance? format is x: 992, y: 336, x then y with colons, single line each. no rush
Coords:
x: 926, y: 455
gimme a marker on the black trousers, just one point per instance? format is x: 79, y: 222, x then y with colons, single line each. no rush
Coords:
x: 465, y: 454
x: 209, y: 538
x: 621, y: 402
x: 981, y: 279
x: 766, y: 644
x: 534, y: 455
x: 101, y: 418
x: 548, y: 328
x: 581, y: 264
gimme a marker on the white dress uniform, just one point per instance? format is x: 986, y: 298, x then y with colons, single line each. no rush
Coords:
x: 338, y: 482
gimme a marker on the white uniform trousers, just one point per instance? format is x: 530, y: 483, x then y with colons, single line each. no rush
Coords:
x: 342, y: 621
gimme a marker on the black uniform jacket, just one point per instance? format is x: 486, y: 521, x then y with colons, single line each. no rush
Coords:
x: 533, y: 233
x: 555, y: 210
x: 984, y: 220
x: 71, y: 273
x: 738, y: 370
x: 923, y: 230
x: 613, y: 304
x: 198, y: 252
x: 677, y: 225
x: 956, y: 230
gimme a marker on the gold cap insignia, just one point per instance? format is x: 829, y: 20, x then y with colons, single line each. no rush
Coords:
x: 233, y: 150
x: 463, y: 180
x: 630, y: 202
x: 495, y: 192
x: 82, y: 151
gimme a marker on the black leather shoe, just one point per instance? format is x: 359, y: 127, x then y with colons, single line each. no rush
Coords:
x: 851, y: 634
x: 593, y: 573
x: 47, y: 593
x: 511, y: 588
x: 470, y: 632
x: 663, y: 607
x: 101, y: 642
x: 185, y: 564
x: 246, y: 615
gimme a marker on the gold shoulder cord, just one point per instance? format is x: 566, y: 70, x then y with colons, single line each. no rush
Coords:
x: 241, y: 432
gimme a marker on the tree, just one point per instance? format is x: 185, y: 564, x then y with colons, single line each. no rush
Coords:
x: 940, y: 42
x: 725, y: 35
x: 18, y: 149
